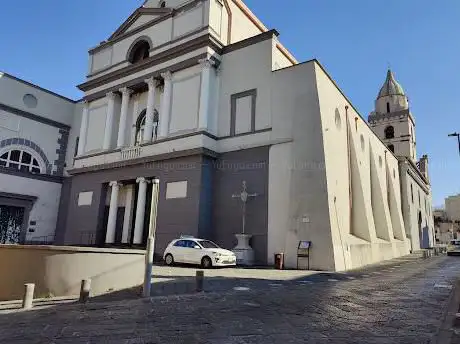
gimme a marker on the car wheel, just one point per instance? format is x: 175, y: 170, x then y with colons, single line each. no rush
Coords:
x: 206, y: 263
x: 169, y: 259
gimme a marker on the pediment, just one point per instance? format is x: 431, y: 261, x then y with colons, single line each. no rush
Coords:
x: 139, y: 17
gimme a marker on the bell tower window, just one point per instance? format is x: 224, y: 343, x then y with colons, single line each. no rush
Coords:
x: 392, y: 148
x: 389, y: 132
x: 388, y: 107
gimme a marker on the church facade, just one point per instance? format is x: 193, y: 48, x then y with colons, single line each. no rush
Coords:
x: 188, y: 101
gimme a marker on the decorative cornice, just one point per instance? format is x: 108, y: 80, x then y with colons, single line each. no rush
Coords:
x: 136, y: 83
x: 42, y: 177
x: 145, y: 160
x: 121, y: 33
x: 187, y: 47
x: 206, y: 40
x: 33, y: 117
x: 135, y: 15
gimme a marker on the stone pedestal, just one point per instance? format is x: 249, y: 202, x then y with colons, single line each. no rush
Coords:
x: 243, y: 251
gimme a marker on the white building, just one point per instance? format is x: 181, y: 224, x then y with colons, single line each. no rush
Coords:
x: 189, y: 99
x: 452, y: 205
x: 35, y: 135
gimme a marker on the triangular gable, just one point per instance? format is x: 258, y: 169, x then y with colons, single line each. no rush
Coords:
x: 135, y: 19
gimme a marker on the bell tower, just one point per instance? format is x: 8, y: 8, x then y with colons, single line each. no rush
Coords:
x: 392, y: 121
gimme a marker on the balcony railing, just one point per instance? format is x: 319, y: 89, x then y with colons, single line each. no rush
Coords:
x: 131, y: 153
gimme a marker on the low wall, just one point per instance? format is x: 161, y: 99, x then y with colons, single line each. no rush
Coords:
x: 58, y: 270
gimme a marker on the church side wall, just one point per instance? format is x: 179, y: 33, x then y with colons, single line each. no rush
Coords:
x: 417, y: 206
x: 375, y: 231
x: 296, y: 116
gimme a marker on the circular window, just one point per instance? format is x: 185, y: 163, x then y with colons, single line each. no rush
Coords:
x: 363, y: 144
x: 30, y: 101
x: 380, y: 161
x: 338, y: 120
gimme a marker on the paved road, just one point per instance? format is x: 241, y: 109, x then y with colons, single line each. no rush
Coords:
x: 401, y: 301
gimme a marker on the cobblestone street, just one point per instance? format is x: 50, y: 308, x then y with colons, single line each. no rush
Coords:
x: 401, y: 301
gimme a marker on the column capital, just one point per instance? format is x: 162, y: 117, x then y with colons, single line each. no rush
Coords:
x: 207, y: 63
x: 115, y: 183
x: 167, y: 75
x: 152, y: 82
x: 125, y: 91
x: 111, y: 95
x: 141, y: 180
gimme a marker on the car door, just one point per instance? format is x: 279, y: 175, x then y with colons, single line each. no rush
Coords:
x: 187, y: 252
x: 197, y: 253
x: 177, y: 250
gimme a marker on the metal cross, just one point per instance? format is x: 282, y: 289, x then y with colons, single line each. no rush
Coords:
x: 243, y: 196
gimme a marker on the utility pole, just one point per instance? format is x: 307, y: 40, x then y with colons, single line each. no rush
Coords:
x: 151, y: 240
x: 458, y: 139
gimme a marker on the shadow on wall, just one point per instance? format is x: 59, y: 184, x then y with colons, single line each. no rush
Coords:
x: 58, y: 271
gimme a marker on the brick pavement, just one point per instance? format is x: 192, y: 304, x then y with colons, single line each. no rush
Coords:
x: 401, y: 301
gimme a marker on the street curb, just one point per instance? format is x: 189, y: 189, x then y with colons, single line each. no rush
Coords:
x: 444, y: 333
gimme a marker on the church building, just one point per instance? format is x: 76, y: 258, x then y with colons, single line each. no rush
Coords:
x: 190, y: 103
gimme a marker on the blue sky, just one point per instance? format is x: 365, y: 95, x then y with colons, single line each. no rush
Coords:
x: 46, y: 42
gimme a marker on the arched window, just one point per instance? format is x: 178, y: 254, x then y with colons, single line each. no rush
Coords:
x: 389, y: 132
x: 162, y: 4
x: 140, y: 51
x: 392, y: 148
x: 412, y: 193
x: 20, y: 160
x: 140, y: 126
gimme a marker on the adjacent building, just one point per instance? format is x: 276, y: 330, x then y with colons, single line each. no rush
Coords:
x: 189, y: 103
x: 37, y: 142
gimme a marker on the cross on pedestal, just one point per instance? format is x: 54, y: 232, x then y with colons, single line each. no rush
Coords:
x: 243, y: 196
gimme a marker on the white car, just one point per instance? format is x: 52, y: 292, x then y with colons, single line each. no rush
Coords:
x: 453, y: 248
x: 198, y: 251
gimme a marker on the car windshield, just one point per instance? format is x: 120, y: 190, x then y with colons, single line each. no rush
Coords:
x: 208, y: 244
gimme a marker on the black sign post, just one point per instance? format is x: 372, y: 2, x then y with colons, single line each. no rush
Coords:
x: 303, y: 251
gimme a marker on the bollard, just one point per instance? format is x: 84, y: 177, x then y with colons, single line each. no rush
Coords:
x: 28, y: 295
x: 85, y: 290
x: 199, y: 280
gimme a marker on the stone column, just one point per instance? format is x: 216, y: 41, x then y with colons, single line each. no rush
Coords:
x: 148, y: 131
x: 165, y: 105
x: 109, y: 120
x: 83, y: 129
x: 205, y: 93
x: 125, y: 96
x: 113, y: 209
x: 140, y: 211
x: 129, y: 208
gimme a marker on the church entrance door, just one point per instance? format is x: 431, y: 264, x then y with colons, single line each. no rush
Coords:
x: 11, y: 221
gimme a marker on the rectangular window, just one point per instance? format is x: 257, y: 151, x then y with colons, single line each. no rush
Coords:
x: 243, y: 112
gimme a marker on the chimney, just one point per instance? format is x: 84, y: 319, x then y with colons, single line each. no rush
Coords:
x: 423, y: 165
